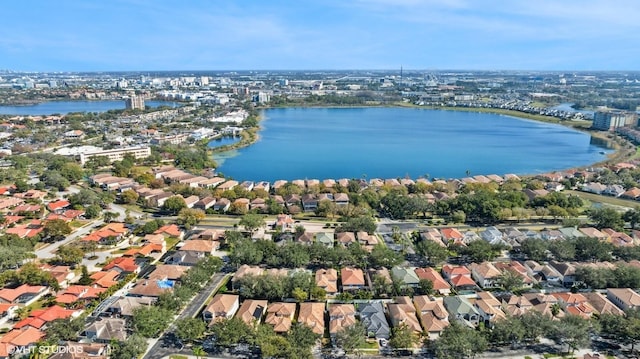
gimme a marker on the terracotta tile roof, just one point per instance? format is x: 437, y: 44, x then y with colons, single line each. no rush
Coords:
x: 327, y: 279
x: 312, y: 315
x: 125, y: 264
x: 38, y: 318
x: 280, y: 316
x: 105, y: 279
x: 432, y: 275
x: 169, y: 229
x: 56, y: 205
x: 10, y: 295
x: 251, y: 311
x: 352, y: 276
x: 24, y: 337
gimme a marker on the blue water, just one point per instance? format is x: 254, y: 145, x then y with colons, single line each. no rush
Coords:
x: 64, y: 107
x: 338, y: 143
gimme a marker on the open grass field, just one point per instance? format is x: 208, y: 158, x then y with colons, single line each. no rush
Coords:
x: 596, y: 198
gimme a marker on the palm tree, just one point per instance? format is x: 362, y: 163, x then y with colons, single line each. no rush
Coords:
x: 199, y: 352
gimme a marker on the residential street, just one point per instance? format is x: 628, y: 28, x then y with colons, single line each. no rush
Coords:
x: 156, y: 349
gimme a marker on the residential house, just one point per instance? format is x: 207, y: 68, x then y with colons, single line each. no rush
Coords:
x: 40, y: 317
x: 493, y: 235
x: 433, y: 315
x: 439, y: 284
x: 341, y: 199
x: 309, y: 202
x: 245, y: 270
x: 151, y: 288
x: 107, y: 330
x: 222, y: 205
x: 624, y: 298
x: 434, y: 235
x: 76, y: 293
x: 601, y: 304
x: 489, y: 307
x: 222, y: 306
x: 202, y: 247
x: 123, y: 265
x: 352, y: 279
x: 345, y: 238
x: 461, y: 309
x: 205, y: 203
x: 184, y: 258
x: 340, y: 316
x: 280, y: 316
x: 251, y: 311
x: 19, y: 339
x: 306, y: 238
x: 517, y: 269
x: 106, y: 279
x: 372, y: 316
x: 406, y: 276
x: 327, y: 279
x: 576, y: 304
x: 459, y: 277
x: 311, y: 314
x: 367, y: 240
x: 516, y: 305
x: 485, y: 274
x: 403, y: 312
x: 325, y: 238
x: 593, y: 233
x: 452, y: 236
x: 124, y: 306
x: 566, y: 270
x: 23, y: 294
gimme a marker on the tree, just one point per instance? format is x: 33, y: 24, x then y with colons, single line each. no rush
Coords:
x: 571, y: 330
x: 535, y: 249
x: 174, y: 204
x: 129, y: 196
x: 510, y: 281
x: 458, y: 341
x: 108, y: 216
x: 479, y: 251
x: 425, y: 287
x: 606, y: 218
x: 64, y: 329
x: 131, y: 348
x: 231, y: 331
x: 189, y: 329
x: 299, y: 295
x: 150, y: 321
x: 632, y: 216
x: 85, y: 278
x: 252, y: 222
x: 56, y: 229
x: 432, y: 251
x: 69, y: 254
x: 509, y: 330
x: 188, y: 217
x: 352, y: 337
x: 199, y: 352
x: 383, y: 256
x: 402, y: 337
x: 92, y: 211
x: 302, y: 336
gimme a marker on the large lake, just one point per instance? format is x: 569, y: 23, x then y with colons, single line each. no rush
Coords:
x: 320, y: 143
x: 64, y: 107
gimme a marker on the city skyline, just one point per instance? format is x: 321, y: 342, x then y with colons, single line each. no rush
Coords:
x: 140, y: 35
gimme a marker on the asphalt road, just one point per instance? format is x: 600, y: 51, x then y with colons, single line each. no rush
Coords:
x: 156, y: 349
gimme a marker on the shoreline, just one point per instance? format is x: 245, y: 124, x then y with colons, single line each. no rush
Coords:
x: 619, y: 153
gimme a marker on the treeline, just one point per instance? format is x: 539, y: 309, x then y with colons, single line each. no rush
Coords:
x: 297, y: 255
x: 582, y: 249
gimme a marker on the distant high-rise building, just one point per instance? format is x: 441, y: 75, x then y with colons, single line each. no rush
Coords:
x: 607, y: 120
x: 134, y: 102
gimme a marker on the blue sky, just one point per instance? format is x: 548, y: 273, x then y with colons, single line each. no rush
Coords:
x: 112, y: 35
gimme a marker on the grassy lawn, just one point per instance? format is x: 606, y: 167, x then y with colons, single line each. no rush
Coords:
x: 171, y: 242
x: 176, y: 356
x: 77, y: 224
x: 592, y: 197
